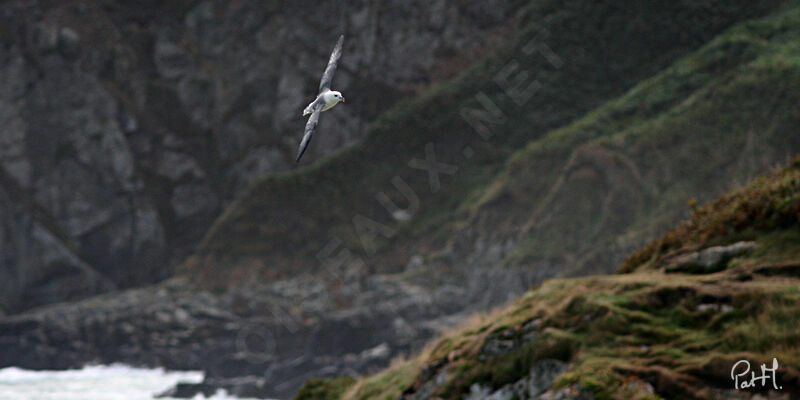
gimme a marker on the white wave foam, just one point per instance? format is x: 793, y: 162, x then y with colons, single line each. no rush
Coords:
x: 97, y: 382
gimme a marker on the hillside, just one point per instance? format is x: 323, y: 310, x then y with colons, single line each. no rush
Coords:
x: 721, y: 287
x: 588, y: 194
x: 502, y: 205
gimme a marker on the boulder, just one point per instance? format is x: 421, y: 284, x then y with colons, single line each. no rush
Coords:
x: 709, y: 260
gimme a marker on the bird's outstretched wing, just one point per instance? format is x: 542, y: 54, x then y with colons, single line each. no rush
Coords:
x: 311, y: 125
x: 327, y: 76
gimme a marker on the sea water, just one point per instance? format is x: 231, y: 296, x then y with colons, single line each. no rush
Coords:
x: 102, y: 382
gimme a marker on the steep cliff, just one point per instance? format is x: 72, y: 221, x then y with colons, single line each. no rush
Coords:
x: 129, y: 126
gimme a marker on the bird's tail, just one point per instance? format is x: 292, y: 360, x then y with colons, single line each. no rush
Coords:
x: 307, y: 110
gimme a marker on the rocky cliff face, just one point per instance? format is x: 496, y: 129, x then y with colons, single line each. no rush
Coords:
x: 25, y: 240
x: 313, y: 273
x: 129, y: 127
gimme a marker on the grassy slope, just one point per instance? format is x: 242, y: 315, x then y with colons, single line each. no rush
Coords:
x: 625, y: 171
x: 282, y: 222
x: 680, y: 333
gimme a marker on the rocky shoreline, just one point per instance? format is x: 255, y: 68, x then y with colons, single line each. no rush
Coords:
x: 258, y: 342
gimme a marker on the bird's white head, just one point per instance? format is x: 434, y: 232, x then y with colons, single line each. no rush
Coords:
x: 334, y: 97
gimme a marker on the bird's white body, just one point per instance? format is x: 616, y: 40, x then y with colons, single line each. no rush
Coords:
x: 329, y: 98
x: 325, y: 100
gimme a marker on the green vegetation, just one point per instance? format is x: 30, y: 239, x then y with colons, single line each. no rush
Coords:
x: 622, y: 334
x: 324, y: 388
x: 388, y: 385
x: 596, y: 189
x: 283, y: 221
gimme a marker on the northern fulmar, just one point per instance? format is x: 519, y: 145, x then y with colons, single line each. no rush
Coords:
x: 325, y: 100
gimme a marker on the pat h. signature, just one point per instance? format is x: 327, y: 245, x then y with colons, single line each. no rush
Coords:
x: 741, y: 379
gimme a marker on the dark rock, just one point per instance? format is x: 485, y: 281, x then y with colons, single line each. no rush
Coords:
x: 247, y: 386
x: 188, y: 390
x: 54, y: 272
x: 534, y: 386
x: 510, y: 339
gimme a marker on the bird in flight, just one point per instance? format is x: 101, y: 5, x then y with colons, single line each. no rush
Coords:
x: 325, y: 100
